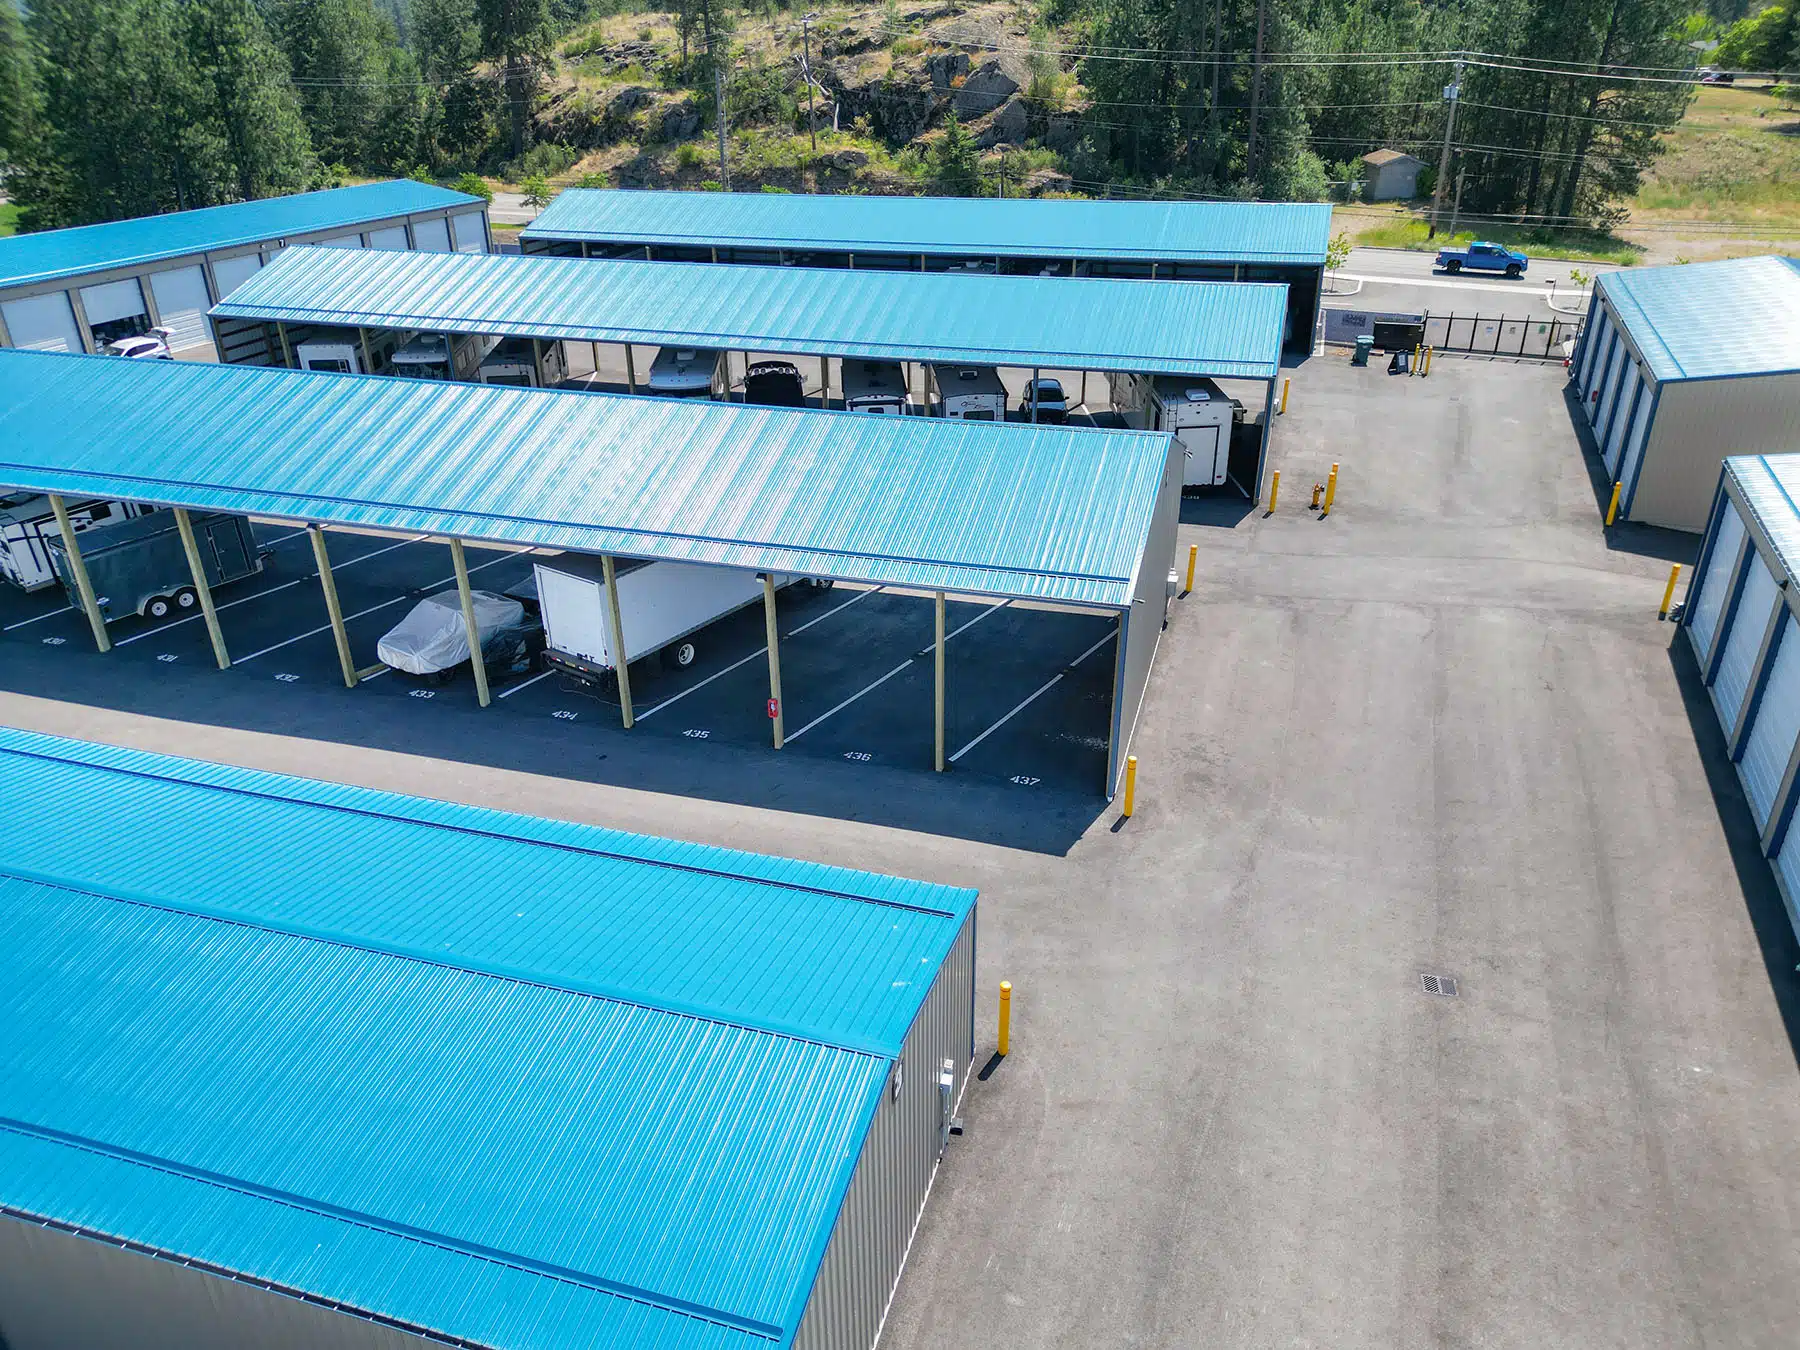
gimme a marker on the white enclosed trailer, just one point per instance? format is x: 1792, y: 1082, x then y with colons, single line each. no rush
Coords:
x: 875, y: 387
x: 972, y: 393
x: 517, y: 361
x: 662, y: 606
x: 26, y: 522
x: 1199, y: 413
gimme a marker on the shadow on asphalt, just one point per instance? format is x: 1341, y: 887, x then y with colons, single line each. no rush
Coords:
x: 1644, y: 541
x: 1756, y: 878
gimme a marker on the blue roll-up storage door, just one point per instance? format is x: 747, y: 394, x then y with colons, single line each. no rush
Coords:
x: 1715, y: 584
x: 1787, y: 862
x: 1771, y: 739
x: 1743, y: 640
x: 1594, y: 349
x: 1631, y: 393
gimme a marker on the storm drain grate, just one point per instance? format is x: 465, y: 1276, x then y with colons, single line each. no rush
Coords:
x: 1439, y: 984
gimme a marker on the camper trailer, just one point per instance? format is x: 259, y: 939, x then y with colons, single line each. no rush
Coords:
x: 875, y: 387
x: 972, y: 393
x: 342, y: 353
x: 27, y: 524
x: 686, y: 372
x: 440, y: 356
x: 1196, y: 410
x: 521, y: 362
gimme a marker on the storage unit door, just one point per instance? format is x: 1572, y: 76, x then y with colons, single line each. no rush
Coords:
x: 1787, y: 863
x: 339, y: 241
x: 1615, y: 376
x: 182, y: 302
x: 1624, y: 411
x: 234, y: 272
x: 1634, y: 445
x: 1707, y: 602
x: 1743, y: 639
x: 394, y: 237
x: 112, y: 301
x: 1590, y: 352
x: 470, y: 236
x: 44, y: 323
x: 1771, y: 739
x: 431, y: 236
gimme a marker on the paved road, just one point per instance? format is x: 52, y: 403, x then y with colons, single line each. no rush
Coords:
x: 508, y: 208
x: 1397, y: 281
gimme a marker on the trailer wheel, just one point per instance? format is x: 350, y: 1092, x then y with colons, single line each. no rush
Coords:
x: 158, y: 607
x: 186, y: 598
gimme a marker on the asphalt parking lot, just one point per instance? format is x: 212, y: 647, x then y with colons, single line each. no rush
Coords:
x: 1028, y: 687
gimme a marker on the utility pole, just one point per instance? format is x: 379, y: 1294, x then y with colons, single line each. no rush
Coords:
x: 1456, y: 204
x: 719, y: 103
x: 812, y: 124
x: 1452, y: 94
x: 1262, y: 23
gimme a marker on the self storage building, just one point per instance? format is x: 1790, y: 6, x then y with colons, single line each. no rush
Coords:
x: 1680, y: 366
x: 1194, y: 241
x: 335, y: 1067
x: 78, y: 289
x: 1742, y: 618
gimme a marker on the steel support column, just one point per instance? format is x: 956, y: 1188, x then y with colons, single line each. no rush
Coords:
x: 779, y: 720
x: 938, y: 700
x: 83, y: 586
x: 1035, y: 372
x: 477, y: 666
x: 191, y: 547
x: 615, y: 624
x: 630, y: 371
x: 322, y: 558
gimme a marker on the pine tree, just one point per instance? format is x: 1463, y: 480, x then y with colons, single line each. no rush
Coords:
x: 955, y: 163
x: 517, y: 34
x: 340, y: 54
x: 18, y: 87
x: 251, y: 100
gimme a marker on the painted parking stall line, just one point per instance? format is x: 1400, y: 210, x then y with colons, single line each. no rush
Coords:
x: 853, y: 600
x: 676, y: 698
x: 1034, y: 696
x: 66, y: 609
x: 512, y: 689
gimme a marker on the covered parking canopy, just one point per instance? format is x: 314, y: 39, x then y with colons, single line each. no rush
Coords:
x: 1015, y: 512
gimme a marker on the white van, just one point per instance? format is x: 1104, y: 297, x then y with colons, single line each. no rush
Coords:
x: 686, y: 372
x: 515, y: 362
x: 972, y: 393
x: 27, y: 521
x: 875, y: 387
x: 1197, y: 411
x: 439, y: 356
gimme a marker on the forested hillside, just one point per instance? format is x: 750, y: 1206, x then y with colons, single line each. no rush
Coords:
x: 120, y: 107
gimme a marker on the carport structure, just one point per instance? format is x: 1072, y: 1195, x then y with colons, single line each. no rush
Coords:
x: 1044, y: 515
x: 1201, y: 330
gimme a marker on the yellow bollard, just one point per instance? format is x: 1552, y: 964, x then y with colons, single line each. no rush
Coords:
x: 1193, y: 557
x: 1318, y: 491
x: 1330, y: 491
x: 1612, y: 508
x: 1130, y: 784
x: 1669, y: 592
x: 1005, y: 1041
x: 1418, y: 352
x: 1284, y: 388
x: 1428, y: 352
x: 1274, y: 490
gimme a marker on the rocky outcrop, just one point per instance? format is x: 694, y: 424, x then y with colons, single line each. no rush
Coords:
x: 945, y: 68
x: 898, y: 109
x: 1010, y: 123
x: 990, y: 85
x: 679, y: 121
x: 589, y: 120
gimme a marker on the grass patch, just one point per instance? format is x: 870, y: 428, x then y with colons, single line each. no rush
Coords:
x: 1735, y: 156
x: 9, y: 219
x: 1410, y: 232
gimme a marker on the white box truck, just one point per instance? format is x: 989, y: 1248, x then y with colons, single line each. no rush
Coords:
x: 1196, y: 410
x: 972, y: 393
x: 27, y: 524
x: 440, y: 356
x: 875, y: 387
x: 515, y: 362
x: 662, y: 607
x: 687, y: 372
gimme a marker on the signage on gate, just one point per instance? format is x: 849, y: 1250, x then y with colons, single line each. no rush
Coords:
x: 1346, y: 325
x: 774, y: 708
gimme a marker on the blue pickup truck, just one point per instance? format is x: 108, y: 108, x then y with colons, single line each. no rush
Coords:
x: 1483, y: 257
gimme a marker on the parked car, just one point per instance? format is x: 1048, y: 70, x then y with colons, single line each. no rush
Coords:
x: 1710, y: 76
x: 432, y: 640
x: 1052, y: 403
x: 1483, y: 257
x: 152, y: 345
x: 776, y: 384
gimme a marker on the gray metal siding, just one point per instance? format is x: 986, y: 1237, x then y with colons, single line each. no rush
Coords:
x: 1149, y: 607
x: 60, y: 1290
x: 887, y: 1193
x: 1697, y: 424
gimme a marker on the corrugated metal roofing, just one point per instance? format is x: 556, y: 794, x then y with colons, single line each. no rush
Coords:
x: 832, y: 955
x: 1770, y: 485
x: 1015, y: 511
x: 1697, y: 321
x: 1198, y: 328
x: 126, y: 243
x: 415, y: 1135
x: 1249, y: 232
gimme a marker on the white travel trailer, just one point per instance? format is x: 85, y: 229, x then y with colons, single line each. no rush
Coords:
x: 875, y: 387
x: 439, y: 356
x: 26, y: 522
x: 972, y: 393
x: 687, y: 372
x: 1196, y: 410
x: 662, y: 607
x: 516, y: 362
x: 342, y: 354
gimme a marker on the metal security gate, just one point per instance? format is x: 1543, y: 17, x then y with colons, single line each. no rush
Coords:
x: 1499, y: 334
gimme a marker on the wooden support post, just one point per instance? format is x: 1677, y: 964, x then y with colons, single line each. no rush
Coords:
x: 938, y: 758
x: 778, y: 718
x: 362, y: 337
x: 824, y: 381
x: 615, y: 624
x: 287, y: 351
x: 328, y: 584
x: 83, y: 586
x: 191, y: 547
x: 477, y: 666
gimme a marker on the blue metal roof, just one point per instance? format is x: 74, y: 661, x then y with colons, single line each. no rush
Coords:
x: 1003, y: 510
x: 1770, y: 486
x: 1699, y: 321
x: 29, y: 258
x: 412, y: 1134
x: 1247, y: 232
x: 1198, y: 328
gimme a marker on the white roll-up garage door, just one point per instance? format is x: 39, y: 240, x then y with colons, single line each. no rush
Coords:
x: 1743, y: 640
x: 1615, y: 376
x: 431, y: 236
x: 340, y: 241
x: 234, y: 272
x: 1787, y: 862
x: 181, y: 304
x: 394, y: 237
x: 1708, y: 600
x: 44, y: 323
x: 1592, y: 351
x: 1634, y: 447
x: 113, y: 300
x: 470, y: 237
x: 1771, y: 739
x: 1624, y: 410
